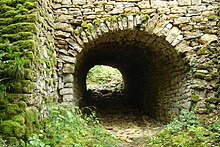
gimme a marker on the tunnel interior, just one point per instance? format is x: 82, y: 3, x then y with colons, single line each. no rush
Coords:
x: 153, y: 72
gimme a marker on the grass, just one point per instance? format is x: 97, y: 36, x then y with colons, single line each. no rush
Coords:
x: 66, y: 126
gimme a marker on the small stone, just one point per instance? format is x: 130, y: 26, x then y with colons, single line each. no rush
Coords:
x: 68, y: 85
x: 179, y: 10
x: 66, y: 2
x: 68, y: 68
x: 67, y: 58
x: 163, y: 10
x: 67, y: 78
x: 203, y: 71
x: 181, y: 20
x: 66, y: 91
x: 68, y: 98
x: 144, y: 5
x: 184, y: 2
x: 62, y: 34
x: 196, y: 2
x: 208, y: 38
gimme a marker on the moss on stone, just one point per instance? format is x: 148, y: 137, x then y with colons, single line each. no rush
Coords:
x: 96, y: 22
x: 6, y: 21
x: 214, y: 60
x: 20, y: 27
x: 194, y: 98
x: 28, y: 86
x: 25, y: 18
x: 30, y: 5
x: 212, y: 100
x: 32, y: 122
x: 11, y: 97
x: 13, y: 109
x: 21, y: 45
x: 29, y: 74
x: 144, y: 18
x: 202, y: 51
x: 199, y: 75
x: 212, y: 17
x: 208, y: 78
x: 15, y: 87
x: 4, y: 8
x: 19, y: 118
x: 10, y: 128
x: 18, y: 36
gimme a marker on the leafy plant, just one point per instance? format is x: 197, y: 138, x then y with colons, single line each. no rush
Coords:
x: 67, y: 126
x: 187, y: 130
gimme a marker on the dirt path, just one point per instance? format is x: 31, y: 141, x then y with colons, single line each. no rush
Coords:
x: 128, y: 126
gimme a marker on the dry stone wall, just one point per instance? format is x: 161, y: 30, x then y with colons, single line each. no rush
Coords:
x: 27, y: 66
x: 189, y: 26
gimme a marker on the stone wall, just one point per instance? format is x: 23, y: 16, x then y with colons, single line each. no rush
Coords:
x: 186, y: 29
x: 27, y: 66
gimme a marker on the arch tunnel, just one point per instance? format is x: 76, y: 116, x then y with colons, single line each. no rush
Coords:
x: 152, y: 70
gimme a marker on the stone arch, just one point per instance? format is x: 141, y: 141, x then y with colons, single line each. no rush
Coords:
x: 145, y: 50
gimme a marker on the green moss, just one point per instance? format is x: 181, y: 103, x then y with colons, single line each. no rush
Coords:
x: 32, y: 122
x: 97, y: 22
x: 202, y: 51
x: 194, y: 98
x: 17, y: 97
x: 4, y: 8
x: 13, y: 109
x: 21, y: 45
x: 18, y: 36
x: 6, y: 21
x: 199, y: 75
x: 208, y: 78
x: 145, y: 18
x: 28, y: 86
x: 212, y: 100
x: 214, y: 60
x: 28, y: 74
x: 75, y: 32
x: 30, y: 5
x: 15, y: 87
x: 19, y: 118
x: 212, y: 17
x: 10, y: 128
x: 20, y: 27
x: 25, y: 18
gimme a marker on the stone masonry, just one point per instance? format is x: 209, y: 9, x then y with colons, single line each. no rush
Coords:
x: 180, y: 37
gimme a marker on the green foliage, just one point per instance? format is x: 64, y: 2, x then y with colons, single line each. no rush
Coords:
x: 186, y: 130
x: 102, y: 74
x: 67, y: 126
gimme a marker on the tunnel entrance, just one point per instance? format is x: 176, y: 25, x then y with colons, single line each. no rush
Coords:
x: 153, y: 72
